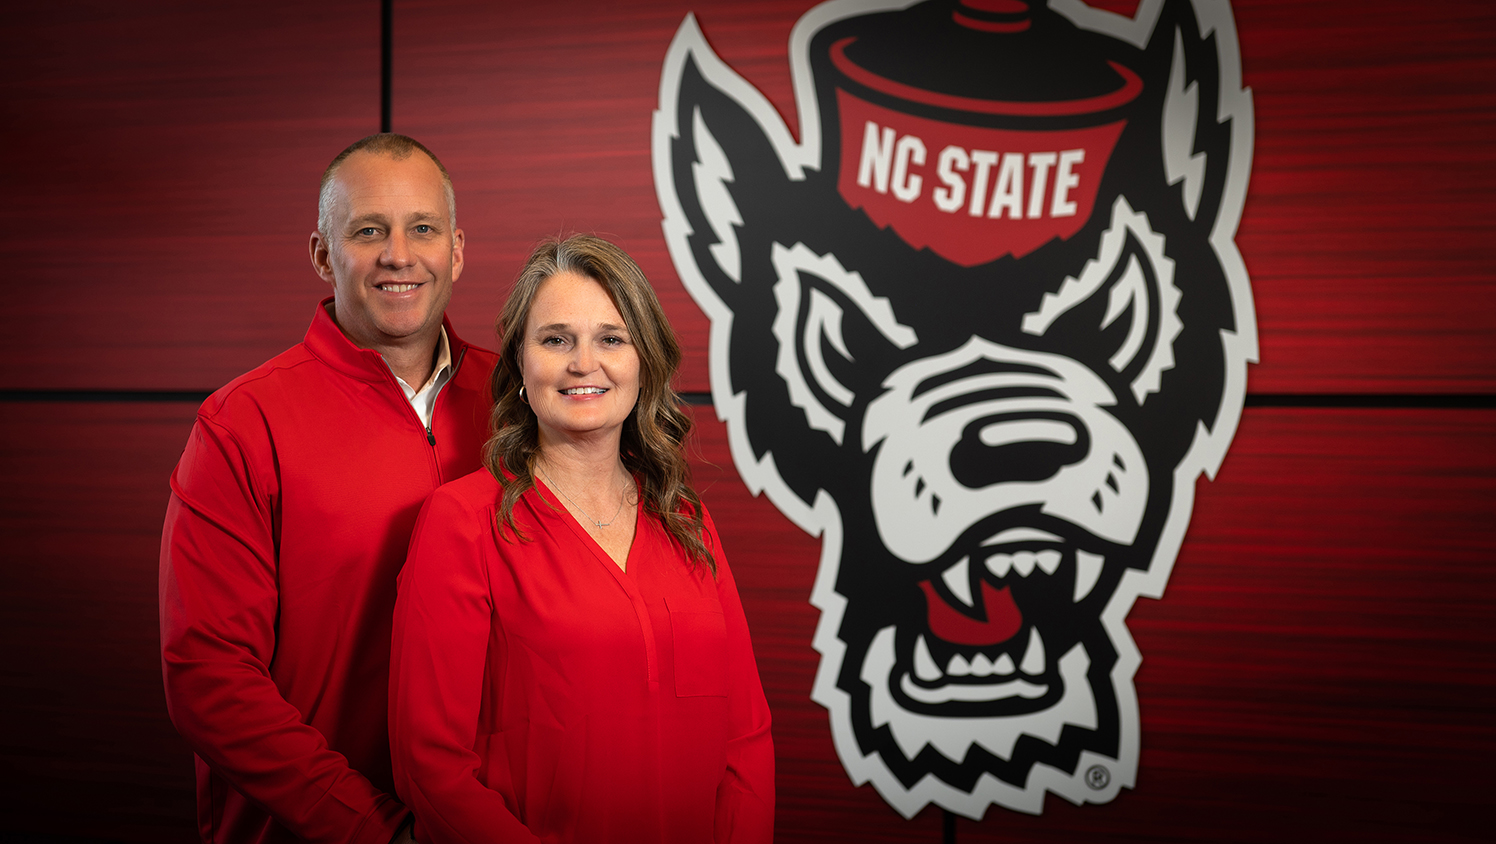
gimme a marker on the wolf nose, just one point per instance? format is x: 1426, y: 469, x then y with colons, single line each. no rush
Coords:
x: 1017, y: 447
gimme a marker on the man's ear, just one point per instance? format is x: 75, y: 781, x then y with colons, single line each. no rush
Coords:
x: 320, y: 259
x: 458, y: 240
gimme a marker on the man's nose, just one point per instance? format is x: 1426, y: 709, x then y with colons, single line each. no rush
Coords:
x: 396, y: 251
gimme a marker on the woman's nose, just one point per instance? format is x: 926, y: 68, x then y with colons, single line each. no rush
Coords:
x: 583, y: 360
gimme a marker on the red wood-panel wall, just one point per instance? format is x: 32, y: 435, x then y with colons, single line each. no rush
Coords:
x: 1323, y: 664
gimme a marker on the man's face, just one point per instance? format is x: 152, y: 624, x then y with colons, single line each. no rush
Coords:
x: 390, y: 251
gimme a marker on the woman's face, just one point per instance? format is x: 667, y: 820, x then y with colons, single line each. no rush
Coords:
x: 580, y: 366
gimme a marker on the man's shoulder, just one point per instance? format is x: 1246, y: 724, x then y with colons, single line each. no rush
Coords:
x: 269, y: 378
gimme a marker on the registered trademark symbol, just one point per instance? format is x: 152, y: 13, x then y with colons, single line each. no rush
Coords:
x: 1097, y: 777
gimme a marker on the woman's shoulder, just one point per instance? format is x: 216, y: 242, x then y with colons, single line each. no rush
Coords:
x: 685, y: 508
x: 471, y: 491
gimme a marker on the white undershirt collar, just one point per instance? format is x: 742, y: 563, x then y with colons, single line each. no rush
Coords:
x: 423, y: 401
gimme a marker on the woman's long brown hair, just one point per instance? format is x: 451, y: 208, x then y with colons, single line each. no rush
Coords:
x: 655, y: 432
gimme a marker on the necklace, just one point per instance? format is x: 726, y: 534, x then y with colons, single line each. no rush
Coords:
x: 623, y: 497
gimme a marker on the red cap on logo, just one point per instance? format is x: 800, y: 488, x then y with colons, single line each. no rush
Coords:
x: 976, y: 129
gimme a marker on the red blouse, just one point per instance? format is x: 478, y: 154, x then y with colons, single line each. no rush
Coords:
x: 538, y: 692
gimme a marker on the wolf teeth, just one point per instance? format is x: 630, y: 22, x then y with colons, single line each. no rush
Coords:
x: 1024, y: 562
x: 924, y: 664
x: 958, y: 667
x: 981, y: 665
x: 1000, y: 564
x: 1033, y: 656
x: 1007, y: 680
x: 1049, y: 560
x: 1087, y: 572
x: 958, y: 579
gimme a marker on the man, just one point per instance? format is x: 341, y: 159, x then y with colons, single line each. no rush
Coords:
x: 291, y: 509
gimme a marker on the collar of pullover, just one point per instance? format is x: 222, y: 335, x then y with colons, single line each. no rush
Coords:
x: 325, y: 340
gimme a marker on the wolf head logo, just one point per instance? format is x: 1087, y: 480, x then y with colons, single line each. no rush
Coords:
x: 981, y: 327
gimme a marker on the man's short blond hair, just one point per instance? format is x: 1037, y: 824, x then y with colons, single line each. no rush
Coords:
x: 395, y: 146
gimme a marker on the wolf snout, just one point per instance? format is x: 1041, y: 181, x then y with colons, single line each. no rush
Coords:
x: 989, y: 428
x: 1018, y: 446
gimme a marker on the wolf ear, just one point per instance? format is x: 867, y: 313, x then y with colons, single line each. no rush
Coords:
x: 1197, y: 130
x: 1130, y: 286
x: 720, y: 151
x: 826, y: 322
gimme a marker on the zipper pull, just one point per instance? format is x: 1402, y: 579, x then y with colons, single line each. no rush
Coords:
x: 430, y: 437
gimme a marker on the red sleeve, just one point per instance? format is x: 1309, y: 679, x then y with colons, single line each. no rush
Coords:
x: 218, y: 612
x: 437, y: 668
x: 745, y: 797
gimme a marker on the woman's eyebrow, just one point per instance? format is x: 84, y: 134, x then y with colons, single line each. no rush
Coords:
x: 562, y: 326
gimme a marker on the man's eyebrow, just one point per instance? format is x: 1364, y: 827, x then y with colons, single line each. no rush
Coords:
x: 424, y: 217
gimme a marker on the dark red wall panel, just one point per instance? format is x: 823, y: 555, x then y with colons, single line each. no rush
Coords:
x: 85, y: 745
x: 1367, y: 227
x: 162, y: 161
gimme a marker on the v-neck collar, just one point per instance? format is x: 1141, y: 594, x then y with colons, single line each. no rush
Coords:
x: 626, y: 578
x: 627, y: 571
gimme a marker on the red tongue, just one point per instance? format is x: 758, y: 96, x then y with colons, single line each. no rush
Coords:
x: 1003, y: 618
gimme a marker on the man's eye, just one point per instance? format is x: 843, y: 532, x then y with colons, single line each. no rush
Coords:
x: 423, y: 229
x: 368, y: 231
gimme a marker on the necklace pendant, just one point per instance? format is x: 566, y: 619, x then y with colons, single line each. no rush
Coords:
x: 623, y: 499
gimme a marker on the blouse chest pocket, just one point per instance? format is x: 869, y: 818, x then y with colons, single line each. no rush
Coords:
x: 700, y: 636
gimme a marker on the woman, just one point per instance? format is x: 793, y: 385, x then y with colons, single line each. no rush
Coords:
x: 570, y: 660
